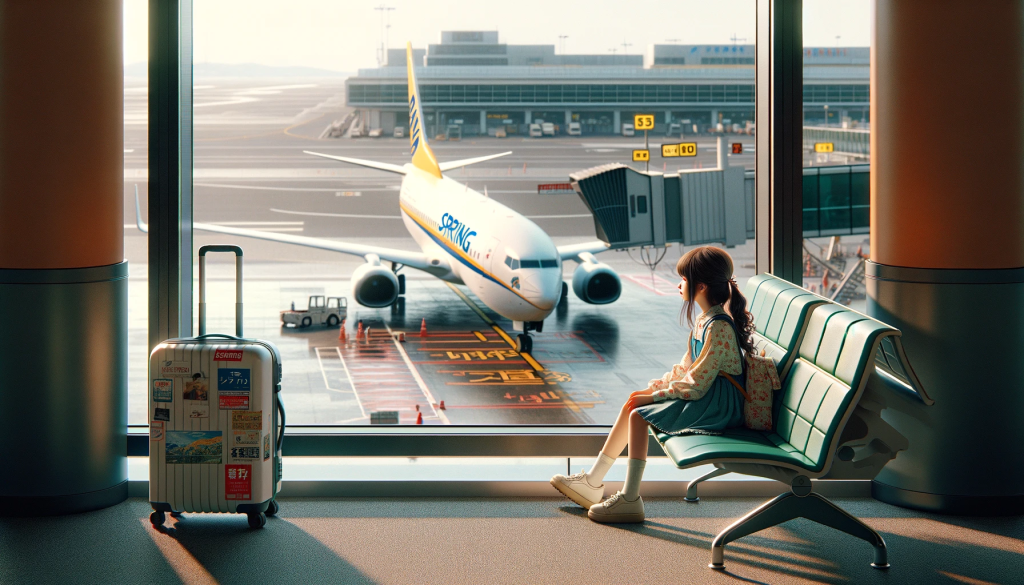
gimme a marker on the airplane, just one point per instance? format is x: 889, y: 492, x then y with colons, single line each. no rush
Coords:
x: 465, y: 237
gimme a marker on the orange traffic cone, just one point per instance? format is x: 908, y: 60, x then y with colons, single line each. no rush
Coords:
x: 342, y: 336
x: 419, y: 418
x: 441, y: 406
x: 401, y: 337
x: 359, y: 332
x: 423, y: 328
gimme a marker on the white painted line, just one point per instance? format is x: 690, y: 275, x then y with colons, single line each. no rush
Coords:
x: 258, y: 188
x: 258, y: 222
x: 419, y: 381
x: 325, y: 214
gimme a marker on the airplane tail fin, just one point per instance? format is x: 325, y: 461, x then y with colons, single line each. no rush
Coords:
x: 422, y: 157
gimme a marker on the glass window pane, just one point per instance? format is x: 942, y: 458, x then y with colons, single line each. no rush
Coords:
x: 493, y: 232
x: 136, y: 180
x: 836, y: 140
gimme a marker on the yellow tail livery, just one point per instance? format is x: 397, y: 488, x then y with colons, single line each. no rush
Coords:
x: 422, y: 157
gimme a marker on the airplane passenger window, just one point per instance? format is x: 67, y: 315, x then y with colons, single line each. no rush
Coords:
x: 309, y: 157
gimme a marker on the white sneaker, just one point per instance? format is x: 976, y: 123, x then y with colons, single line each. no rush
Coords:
x: 578, y: 489
x: 617, y: 509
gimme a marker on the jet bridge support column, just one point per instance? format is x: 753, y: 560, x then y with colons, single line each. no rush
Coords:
x: 947, y: 248
x: 63, y: 278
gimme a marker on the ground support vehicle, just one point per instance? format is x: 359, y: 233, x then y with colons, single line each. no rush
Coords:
x: 320, y: 311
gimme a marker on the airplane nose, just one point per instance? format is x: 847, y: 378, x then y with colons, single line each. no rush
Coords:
x: 543, y: 290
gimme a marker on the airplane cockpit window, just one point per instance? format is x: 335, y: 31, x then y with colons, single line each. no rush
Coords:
x: 549, y: 263
x: 529, y: 263
x: 512, y: 263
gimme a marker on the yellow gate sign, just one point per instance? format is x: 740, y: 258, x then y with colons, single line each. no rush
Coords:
x: 823, y: 147
x: 643, y: 122
x: 682, y: 149
x: 641, y: 155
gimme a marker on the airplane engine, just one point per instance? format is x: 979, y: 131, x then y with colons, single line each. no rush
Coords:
x: 374, y: 286
x: 595, y: 282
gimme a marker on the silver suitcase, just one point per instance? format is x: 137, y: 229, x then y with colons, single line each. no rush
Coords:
x: 216, y: 419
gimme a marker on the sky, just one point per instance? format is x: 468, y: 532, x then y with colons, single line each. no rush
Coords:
x: 346, y: 35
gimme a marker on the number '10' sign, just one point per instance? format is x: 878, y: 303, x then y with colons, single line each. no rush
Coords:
x: 682, y: 149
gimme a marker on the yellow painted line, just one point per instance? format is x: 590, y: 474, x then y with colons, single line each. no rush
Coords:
x: 529, y: 358
x: 479, y: 336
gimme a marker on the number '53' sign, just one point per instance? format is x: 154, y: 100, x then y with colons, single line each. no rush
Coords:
x: 643, y: 121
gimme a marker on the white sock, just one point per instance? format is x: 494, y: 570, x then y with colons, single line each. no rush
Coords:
x: 635, y: 471
x: 596, y: 474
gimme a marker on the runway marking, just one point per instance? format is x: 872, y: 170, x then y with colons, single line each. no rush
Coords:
x: 529, y: 358
x: 479, y: 336
x: 419, y: 380
x: 258, y: 188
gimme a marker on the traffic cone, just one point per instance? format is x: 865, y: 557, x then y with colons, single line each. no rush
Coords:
x: 401, y: 337
x: 359, y: 332
x: 441, y: 406
x: 423, y: 328
x: 419, y: 418
x: 342, y: 336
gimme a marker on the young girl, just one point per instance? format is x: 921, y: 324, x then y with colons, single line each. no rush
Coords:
x: 692, y: 398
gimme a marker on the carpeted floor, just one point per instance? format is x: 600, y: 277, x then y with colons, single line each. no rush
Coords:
x: 499, y: 541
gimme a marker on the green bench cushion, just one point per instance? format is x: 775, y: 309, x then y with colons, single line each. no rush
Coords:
x: 742, y: 443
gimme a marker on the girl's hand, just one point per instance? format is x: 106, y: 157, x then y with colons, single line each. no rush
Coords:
x: 637, y: 401
x: 647, y: 392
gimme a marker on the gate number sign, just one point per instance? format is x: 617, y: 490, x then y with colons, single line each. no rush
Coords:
x: 823, y: 147
x: 643, y: 122
x: 683, y: 149
x: 641, y: 155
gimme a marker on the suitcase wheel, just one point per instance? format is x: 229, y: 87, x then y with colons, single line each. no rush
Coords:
x: 257, y: 520
x: 272, y: 508
x: 157, y: 518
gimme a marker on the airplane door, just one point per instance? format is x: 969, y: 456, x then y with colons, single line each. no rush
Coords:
x: 490, y: 251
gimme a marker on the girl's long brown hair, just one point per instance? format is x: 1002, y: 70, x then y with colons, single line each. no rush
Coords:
x: 712, y: 267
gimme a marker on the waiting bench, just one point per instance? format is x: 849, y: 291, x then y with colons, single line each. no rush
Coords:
x: 827, y: 354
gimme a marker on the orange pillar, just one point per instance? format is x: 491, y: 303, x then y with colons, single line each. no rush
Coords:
x: 947, y: 244
x: 63, y: 278
x: 61, y: 134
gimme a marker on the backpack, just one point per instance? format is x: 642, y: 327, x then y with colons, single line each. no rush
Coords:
x: 762, y: 378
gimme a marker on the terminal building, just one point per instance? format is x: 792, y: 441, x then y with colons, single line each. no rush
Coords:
x: 472, y: 81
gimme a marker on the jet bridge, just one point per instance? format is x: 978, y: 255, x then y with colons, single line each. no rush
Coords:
x: 634, y: 208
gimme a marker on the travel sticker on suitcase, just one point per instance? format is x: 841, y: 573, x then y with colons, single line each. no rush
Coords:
x: 194, y: 447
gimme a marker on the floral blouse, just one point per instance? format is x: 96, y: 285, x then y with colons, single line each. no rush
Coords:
x: 691, y: 379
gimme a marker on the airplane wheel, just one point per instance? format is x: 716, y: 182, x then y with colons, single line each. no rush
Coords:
x: 524, y: 343
x: 565, y: 292
x: 332, y: 321
x: 306, y: 321
x: 401, y: 284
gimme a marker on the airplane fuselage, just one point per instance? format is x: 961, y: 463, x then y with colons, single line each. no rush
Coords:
x: 504, y: 258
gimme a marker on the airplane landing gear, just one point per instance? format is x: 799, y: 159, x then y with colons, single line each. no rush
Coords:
x: 524, y: 343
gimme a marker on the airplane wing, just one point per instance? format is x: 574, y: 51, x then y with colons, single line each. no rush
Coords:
x: 416, y: 260
x: 411, y: 259
x: 380, y: 166
x: 447, y: 166
x: 571, y: 251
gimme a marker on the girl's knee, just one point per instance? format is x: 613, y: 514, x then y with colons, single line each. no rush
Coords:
x: 635, y: 418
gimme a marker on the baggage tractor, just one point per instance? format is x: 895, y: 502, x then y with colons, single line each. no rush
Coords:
x: 216, y: 419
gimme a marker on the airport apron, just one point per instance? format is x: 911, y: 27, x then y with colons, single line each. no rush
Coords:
x: 720, y: 408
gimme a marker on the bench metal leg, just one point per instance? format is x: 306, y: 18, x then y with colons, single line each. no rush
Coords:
x: 691, y: 488
x: 789, y: 506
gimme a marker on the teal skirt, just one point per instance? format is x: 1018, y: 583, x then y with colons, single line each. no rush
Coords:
x: 719, y: 409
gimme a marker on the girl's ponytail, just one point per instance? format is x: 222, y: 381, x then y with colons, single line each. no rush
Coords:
x: 744, y: 321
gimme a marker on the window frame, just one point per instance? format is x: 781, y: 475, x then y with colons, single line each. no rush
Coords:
x: 778, y: 96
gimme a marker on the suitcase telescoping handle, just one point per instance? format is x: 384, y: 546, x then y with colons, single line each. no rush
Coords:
x: 238, y: 286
